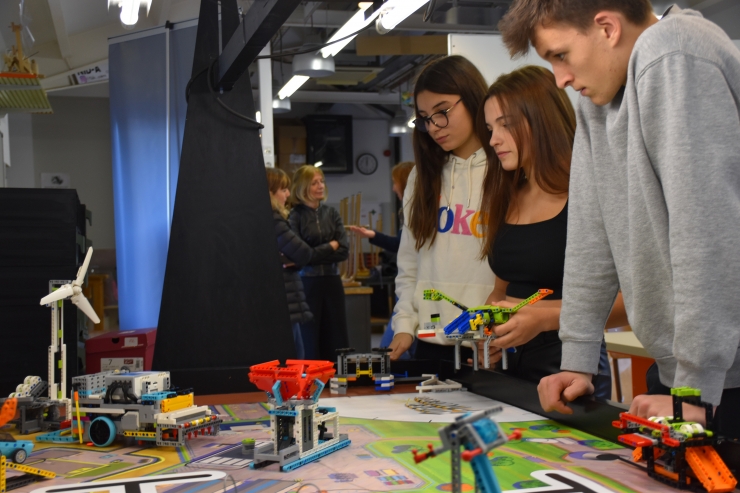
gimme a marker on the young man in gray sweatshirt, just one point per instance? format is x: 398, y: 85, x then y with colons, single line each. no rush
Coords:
x: 654, y: 204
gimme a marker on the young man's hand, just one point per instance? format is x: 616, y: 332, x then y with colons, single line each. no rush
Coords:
x: 400, y: 344
x: 560, y: 388
x: 647, y: 406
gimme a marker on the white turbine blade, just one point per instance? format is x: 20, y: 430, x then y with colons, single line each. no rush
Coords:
x: 84, y: 305
x: 60, y: 294
x: 83, y: 269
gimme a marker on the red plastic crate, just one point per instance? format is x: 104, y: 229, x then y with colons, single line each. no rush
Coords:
x: 133, y: 349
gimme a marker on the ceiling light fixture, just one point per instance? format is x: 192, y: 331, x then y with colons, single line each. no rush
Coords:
x: 356, y: 23
x: 292, y: 86
x: 130, y: 10
x: 280, y: 105
x: 399, y: 124
x: 393, y: 12
x: 313, y: 65
x: 318, y: 164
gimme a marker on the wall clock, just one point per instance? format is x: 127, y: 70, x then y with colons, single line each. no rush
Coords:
x: 367, y: 164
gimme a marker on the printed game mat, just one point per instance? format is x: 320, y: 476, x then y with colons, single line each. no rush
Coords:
x: 383, y: 430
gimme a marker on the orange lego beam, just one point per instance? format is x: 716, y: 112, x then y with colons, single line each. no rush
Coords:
x: 8, y: 411
x: 710, y: 469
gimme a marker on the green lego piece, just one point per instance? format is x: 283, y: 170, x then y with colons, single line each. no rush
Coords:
x: 686, y: 392
x: 434, y: 295
x: 488, y: 313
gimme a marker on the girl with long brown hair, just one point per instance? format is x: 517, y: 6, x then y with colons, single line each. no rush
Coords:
x: 527, y: 126
x: 442, y: 234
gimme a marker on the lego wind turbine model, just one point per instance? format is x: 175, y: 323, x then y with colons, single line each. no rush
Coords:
x: 73, y: 291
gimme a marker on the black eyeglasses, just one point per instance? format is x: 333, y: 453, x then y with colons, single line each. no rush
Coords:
x: 439, y: 119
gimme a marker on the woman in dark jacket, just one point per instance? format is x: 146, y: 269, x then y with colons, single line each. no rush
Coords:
x: 318, y: 224
x: 295, y: 253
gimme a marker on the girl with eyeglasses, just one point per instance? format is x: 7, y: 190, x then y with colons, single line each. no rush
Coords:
x: 441, y: 239
x: 527, y: 126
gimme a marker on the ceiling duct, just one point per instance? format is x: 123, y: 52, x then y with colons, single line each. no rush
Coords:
x: 480, y: 16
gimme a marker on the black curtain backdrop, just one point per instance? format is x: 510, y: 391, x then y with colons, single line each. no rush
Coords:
x: 223, y: 303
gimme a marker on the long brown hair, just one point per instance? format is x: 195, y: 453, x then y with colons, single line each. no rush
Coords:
x: 543, y: 125
x: 449, y: 75
x: 277, y: 179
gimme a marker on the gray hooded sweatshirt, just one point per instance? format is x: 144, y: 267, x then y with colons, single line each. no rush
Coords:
x: 654, y: 209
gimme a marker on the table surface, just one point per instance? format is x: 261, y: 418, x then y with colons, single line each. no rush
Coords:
x: 625, y: 343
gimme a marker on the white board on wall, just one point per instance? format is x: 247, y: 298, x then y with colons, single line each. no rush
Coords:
x: 488, y: 53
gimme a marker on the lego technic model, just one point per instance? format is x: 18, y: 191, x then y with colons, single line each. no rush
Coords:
x: 35, y: 411
x: 678, y: 452
x: 363, y: 364
x: 141, y: 405
x: 474, y: 324
x: 478, y: 434
x: 301, y: 430
x: 16, y: 451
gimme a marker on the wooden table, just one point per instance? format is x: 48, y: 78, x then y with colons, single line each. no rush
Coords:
x: 625, y: 345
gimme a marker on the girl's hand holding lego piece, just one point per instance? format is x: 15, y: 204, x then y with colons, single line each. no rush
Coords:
x: 525, y: 324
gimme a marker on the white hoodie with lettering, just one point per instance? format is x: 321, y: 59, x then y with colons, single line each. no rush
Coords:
x: 451, y: 265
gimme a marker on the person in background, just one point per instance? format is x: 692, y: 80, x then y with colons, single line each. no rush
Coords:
x: 441, y: 240
x: 400, y: 177
x: 527, y: 128
x: 294, y: 252
x: 318, y: 224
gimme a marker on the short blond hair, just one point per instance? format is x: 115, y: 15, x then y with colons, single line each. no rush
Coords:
x: 302, y: 179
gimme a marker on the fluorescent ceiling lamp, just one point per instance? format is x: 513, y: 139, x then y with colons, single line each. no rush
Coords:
x: 130, y: 10
x: 393, y: 12
x: 292, y: 86
x: 356, y: 22
x: 318, y: 164
x: 411, y: 123
x: 258, y: 116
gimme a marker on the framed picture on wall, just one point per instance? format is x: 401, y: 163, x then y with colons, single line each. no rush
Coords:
x: 329, y: 142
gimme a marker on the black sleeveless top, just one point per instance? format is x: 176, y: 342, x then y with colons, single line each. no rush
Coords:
x: 531, y: 256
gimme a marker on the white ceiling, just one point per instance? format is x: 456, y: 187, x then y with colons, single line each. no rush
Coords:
x: 71, y: 34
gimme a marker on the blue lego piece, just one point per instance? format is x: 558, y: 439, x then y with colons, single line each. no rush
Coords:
x: 315, y: 456
x: 461, y: 324
x: 158, y: 396
x: 282, y: 412
x: 319, y: 387
x: 326, y: 409
x: 276, y: 393
x: 485, y: 478
x: 487, y: 429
